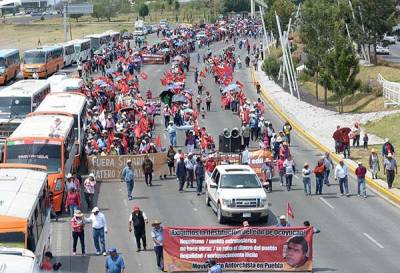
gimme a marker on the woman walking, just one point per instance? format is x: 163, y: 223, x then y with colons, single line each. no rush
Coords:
x: 170, y: 160
x: 78, y: 231
x: 374, y: 164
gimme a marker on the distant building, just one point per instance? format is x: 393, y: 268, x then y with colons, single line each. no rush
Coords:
x: 28, y: 4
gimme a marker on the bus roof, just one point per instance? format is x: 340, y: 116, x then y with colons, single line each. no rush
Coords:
x: 17, y: 260
x: 97, y: 35
x: 19, y: 191
x: 44, y: 126
x: 78, y: 41
x: 44, y: 48
x: 24, y: 88
x: 68, y: 102
x: 7, y: 52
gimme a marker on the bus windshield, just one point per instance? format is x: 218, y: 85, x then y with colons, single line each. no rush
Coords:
x: 15, y: 107
x: 35, y: 57
x: 12, y: 239
x: 40, y: 154
x: 95, y: 42
x: 2, y: 62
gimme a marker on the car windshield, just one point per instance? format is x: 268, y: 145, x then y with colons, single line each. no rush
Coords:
x: 35, y: 57
x: 15, y: 107
x: 233, y: 181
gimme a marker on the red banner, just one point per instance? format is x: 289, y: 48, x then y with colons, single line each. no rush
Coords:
x: 247, y: 248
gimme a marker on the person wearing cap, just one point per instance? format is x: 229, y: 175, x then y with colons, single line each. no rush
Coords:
x: 283, y: 222
x: 390, y: 169
x: 89, y: 188
x: 306, y: 173
x: 147, y: 167
x: 171, y: 129
x: 99, y: 225
x: 360, y: 173
x: 114, y: 262
x: 190, y: 162
x: 213, y: 266
x: 342, y: 173
x: 73, y: 201
x: 387, y: 148
x: 374, y: 165
x: 138, y: 220
x: 78, y: 231
x: 128, y: 177
x: 181, y: 172
x: 158, y: 239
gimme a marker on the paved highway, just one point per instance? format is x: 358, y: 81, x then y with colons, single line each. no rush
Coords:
x: 357, y: 234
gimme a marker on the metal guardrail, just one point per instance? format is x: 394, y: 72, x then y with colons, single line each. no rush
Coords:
x: 391, y: 91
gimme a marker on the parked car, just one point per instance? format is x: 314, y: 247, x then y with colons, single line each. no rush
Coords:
x: 390, y: 39
x: 381, y: 50
x: 236, y: 192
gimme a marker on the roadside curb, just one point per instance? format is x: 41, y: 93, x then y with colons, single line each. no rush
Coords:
x: 350, y: 163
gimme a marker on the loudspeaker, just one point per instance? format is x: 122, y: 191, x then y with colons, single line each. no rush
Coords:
x: 224, y: 144
x: 236, y: 141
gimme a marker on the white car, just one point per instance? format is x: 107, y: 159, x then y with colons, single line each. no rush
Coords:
x: 235, y: 192
x: 390, y: 39
x: 382, y: 50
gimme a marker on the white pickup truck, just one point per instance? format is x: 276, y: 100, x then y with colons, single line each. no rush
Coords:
x: 235, y: 192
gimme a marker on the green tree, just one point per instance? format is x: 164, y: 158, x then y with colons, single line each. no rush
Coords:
x: 341, y: 68
x: 162, y: 8
x: 99, y: 10
x: 143, y: 10
x: 75, y: 16
x: 285, y: 9
x: 271, y: 67
x: 236, y: 5
x: 378, y: 18
x: 176, y: 5
x: 316, y: 31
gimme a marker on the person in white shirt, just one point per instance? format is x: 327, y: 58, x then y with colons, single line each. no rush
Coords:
x: 245, y: 156
x: 99, y: 224
x: 341, y: 173
x: 178, y: 154
x: 307, y: 179
x: 289, y: 169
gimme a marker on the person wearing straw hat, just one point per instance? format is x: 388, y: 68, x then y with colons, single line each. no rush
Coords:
x: 78, y: 231
x: 390, y: 169
x: 373, y: 162
x: 89, y: 188
x: 158, y: 239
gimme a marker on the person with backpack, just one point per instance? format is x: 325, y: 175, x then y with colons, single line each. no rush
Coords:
x: 138, y: 220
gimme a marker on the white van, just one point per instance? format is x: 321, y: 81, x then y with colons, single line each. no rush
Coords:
x: 68, y: 53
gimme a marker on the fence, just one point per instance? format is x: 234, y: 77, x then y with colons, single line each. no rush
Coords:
x: 391, y: 91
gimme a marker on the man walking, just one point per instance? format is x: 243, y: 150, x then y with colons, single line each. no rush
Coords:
x: 341, y: 173
x: 390, y: 169
x: 189, y: 164
x: 89, y: 186
x: 127, y: 177
x: 99, y: 225
x: 138, y: 220
x: 158, y: 239
x: 328, y: 163
x: 147, y: 167
x: 360, y: 172
x: 200, y: 175
x: 181, y: 172
x: 114, y: 263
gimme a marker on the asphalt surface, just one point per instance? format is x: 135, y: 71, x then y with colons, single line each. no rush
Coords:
x: 357, y: 234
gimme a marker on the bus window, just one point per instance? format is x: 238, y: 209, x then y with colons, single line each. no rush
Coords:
x: 12, y: 239
x: 35, y: 57
x: 3, y: 63
x: 31, y: 238
x: 15, y: 106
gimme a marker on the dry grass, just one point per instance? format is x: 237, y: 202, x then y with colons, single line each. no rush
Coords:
x: 368, y: 73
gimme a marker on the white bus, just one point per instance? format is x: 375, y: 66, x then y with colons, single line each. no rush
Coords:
x: 69, y: 53
x: 25, y: 208
x: 82, y: 49
x: 73, y: 104
x: 55, y: 79
x: 18, y: 100
x: 49, y: 140
x: 114, y: 36
x: 68, y: 85
x: 99, y: 41
x: 18, y: 260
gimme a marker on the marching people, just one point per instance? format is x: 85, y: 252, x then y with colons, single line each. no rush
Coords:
x: 138, y: 220
x: 128, y: 177
x: 341, y: 174
x: 361, y: 171
x: 328, y: 164
x: 190, y: 163
x: 147, y: 167
x: 78, y: 231
x: 213, y: 266
x: 199, y: 171
x: 306, y: 172
x: 73, y: 201
x: 390, y: 169
x: 170, y: 160
x: 289, y: 168
x: 158, y: 239
x: 287, y: 129
x: 99, y: 225
x: 89, y: 188
x: 373, y: 162
x: 267, y: 173
x: 319, y: 172
x: 387, y: 148
x: 282, y: 222
x: 114, y: 262
x: 181, y: 172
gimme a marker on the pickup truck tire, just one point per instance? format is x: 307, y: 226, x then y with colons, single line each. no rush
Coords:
x: 221, y: 219
x: 265, y: 219
x: 207, y: 200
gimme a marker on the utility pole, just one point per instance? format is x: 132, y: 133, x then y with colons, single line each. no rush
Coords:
x: 65, y: 20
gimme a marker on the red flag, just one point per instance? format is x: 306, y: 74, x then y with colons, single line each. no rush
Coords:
x: 125, y: 143
x: 144, y: 76
x: 202, y: 74
x: 158, y: 141
x: 110, y: 140
x: 290, y: 210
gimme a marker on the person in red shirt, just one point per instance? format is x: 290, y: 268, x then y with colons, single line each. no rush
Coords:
x: 210, y: 164
x: 360, y: 173
x: 78, y: 231
x: 72, y: 202
x: 279, y: 164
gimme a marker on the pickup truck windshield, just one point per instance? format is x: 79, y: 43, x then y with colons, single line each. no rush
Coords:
x: 234, y: 181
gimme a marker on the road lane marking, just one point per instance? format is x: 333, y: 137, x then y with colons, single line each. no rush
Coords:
x: 326, y: 202
x: 125, y: 203
x: 195, y: 209
x: 373, y: 240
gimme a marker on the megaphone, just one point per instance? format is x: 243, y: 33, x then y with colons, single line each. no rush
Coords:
x: 235, y: 133
x: 226, y: 133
